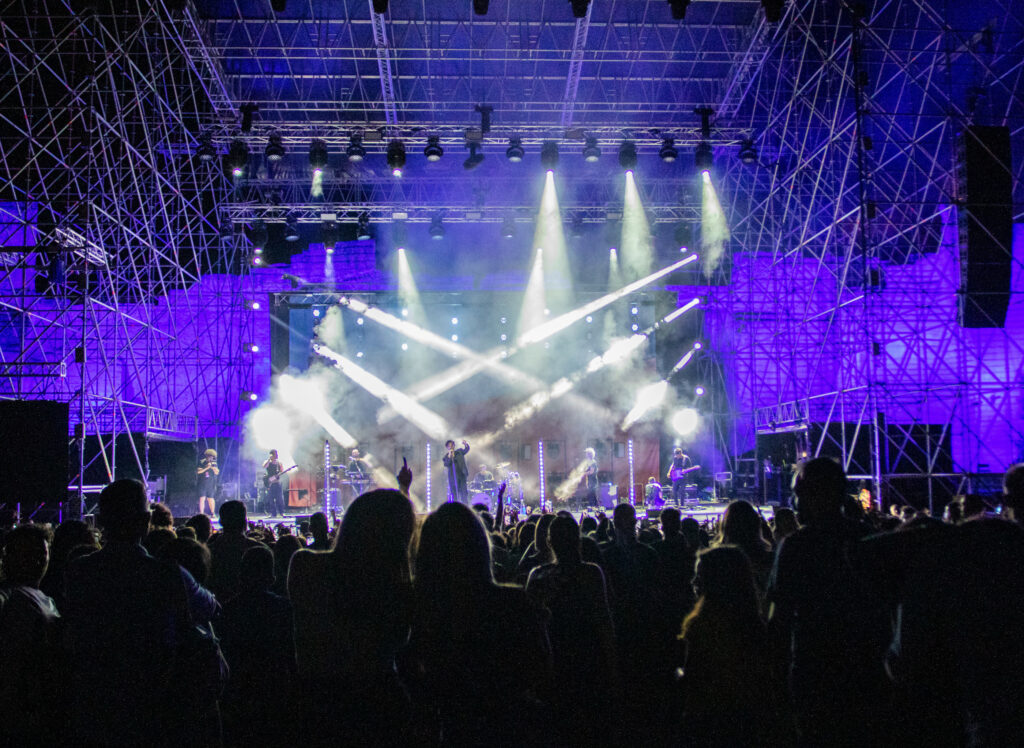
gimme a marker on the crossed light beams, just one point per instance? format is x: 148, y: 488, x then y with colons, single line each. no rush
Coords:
x: 491, y: 360
x: 617, y: 352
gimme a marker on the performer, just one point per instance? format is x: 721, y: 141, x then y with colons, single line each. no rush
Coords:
x: 590, y: 477
x: 455, y: 465
x: 482, y: 478
x: 207, y: 473
x: 357, y: 468
x: 677, y: 474
x: 275, y: 495
x: 652, y: 493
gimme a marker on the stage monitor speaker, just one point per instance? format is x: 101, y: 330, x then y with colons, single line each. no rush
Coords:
x: 609, y: 495
x: 986, y: 226
x: 34, y: 452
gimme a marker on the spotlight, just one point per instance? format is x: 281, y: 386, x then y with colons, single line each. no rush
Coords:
x: 248, y: 110
x: 359, y: 354
x: 436, y: 228
x: 206, y: 151
x: 252, y: 348
x: 355, y: 150
x: 396, y: 157
x: 549, y: 154
x: 405, y: 312
x: 685, y: 421
x: 699, y: 390
x: 278, y: 5
x: 508, y: 227
x: 515, y: 152
x: 634, y: 310
x: 474, y: 159
x: 579, y: 8
x: 291, y: 229
x: 703, y: 158
x: 748, y: 154
x: 455, y: 320
x: 363, y: 228
x: 433, y: 151
x: 259, y: 235
x: 591, y: 152
x: 697, y: 346
x: 773, y: 10
x: 627, y: 155
x: 480, y: 7
x: 248, y: 396
x: 252, y: 305
x: 405, y: 346
x: 360, y: 321
x: 329, y: 235
x: 238, y: 157
x: 318, y: 156
x: 634, y: 327
x: 275, y: 149
x: 678, y: 8
x: 668, y: 151
x: 316, y: 312
x: 380, y: 6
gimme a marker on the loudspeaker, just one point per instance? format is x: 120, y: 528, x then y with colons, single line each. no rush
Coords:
x: 33, y: 452
x: 985, y: 226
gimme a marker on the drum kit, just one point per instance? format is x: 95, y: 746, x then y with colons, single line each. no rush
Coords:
x: 486, y: 492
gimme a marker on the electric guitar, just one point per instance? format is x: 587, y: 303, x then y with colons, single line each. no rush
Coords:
x: 678, y: 473
x: 269, y: 480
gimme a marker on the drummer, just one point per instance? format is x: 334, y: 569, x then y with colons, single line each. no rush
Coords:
x: 652, y: 493
x: 483, y: 478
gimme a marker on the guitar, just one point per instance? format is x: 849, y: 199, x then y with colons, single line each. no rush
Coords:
x: 678, y: 473
x: 269, y: 480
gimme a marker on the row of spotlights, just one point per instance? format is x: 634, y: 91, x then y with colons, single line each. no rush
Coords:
x: 238, y: 153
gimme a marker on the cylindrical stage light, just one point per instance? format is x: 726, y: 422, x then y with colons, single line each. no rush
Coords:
x: 632, y: 487
x: 540, y: 467
x: 428, y: 476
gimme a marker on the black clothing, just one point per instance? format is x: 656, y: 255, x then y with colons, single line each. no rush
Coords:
x: 357, y: 468
x: 275, y: 492
x: 206, y: 482
x: 455, y: 466
x: 679, y: 484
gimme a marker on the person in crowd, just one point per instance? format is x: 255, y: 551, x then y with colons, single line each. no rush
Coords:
x: 742, y: 526
x: 30, y: 682
x: 203, y: 527
x: 320, y: 531
x: 256, y: 634
x: 226, y: 549
x: 190, y: 555
x: 691, y: 531
x: 830, y: 630
x: 1013, y: 492
x: 157, y: 538
x: 581, y: 636
x: 539, y: 552
x: 285, y: 547
x: 352, y: 612
x: 70, y: 534
x: 478, y: 652
x: 784, y: 524
x: 732, y: 696
x: 126, y: 614
x: 161, y: 517
x: 676, y: 560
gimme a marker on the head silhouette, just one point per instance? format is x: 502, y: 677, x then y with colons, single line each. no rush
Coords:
x: 454, y: 548
x: 564, y: 539
x: 624, y: 519
x: 232, y: 516
x: 819, y: 485
x: 741, y: 526
x: 124, y: 510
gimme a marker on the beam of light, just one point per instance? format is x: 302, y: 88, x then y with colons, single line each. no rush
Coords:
x: 534, y: 300
x: 408, y: 293
x: 331, y: 330
x: 685, y: 421
x: 426, y: 420
x: 647, y: 398
x: 306, y: 396
x: 567, y: 488
x: 316, y: 188
x: 680, y: 311
x: 636, y: 247
x: 550, y: 234
x: 714, y: 227
x: 270, y: 428
x: 685, y: 359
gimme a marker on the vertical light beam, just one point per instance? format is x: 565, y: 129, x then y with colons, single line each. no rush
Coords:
x: 714, y: 228
x: 637, y: 256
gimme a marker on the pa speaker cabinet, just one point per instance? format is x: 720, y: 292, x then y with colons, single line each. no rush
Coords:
x: 34, y: 452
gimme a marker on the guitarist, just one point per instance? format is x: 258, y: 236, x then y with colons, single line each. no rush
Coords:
x: 275, y: 497
x: 677, y: 474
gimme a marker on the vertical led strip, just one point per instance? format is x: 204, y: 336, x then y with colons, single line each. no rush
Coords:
x: 327, y: 478
x: 632, y: 487
x: 428, y: 476
x: 540, y: 465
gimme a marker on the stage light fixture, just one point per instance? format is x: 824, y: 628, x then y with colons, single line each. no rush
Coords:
x: 748, y: 153
x: 703, y: 158
x: 328, y: 235
x: 405, y: 346
x: 678, y: 8
x: 253, y: 306
x: 433, y: 150
x: 627, y: 155
x: 508, y: 227
x: 291, y: 229
x: 698, y: 390
x: 380, y: 6
x: 668, y: 152
x: 248, y: 110
x: 436, y: 228
x: 238, y: 157
x: 248, y: 396
x: 278, y: 5
x: 259, y: 236
x: 275, y: 149
x: 318, y: 156
x: 549, y: 154
x: 591, y: 151
x: 515, y: 152
x: 252, y: 348
x: 360, y: 321
x: 206, y: 150
x: 480, y: 7
x: 475, y: 158
x: 773, y: 10
x: 363, y: 228
x: 396, y: 157
x: 685, y: 421
x: 355, y: 151
x: 579, y: 8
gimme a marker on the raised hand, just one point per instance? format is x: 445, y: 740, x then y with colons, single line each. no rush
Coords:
x: 404, y: 477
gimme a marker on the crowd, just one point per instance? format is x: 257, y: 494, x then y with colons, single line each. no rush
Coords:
x: 828, y: 626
